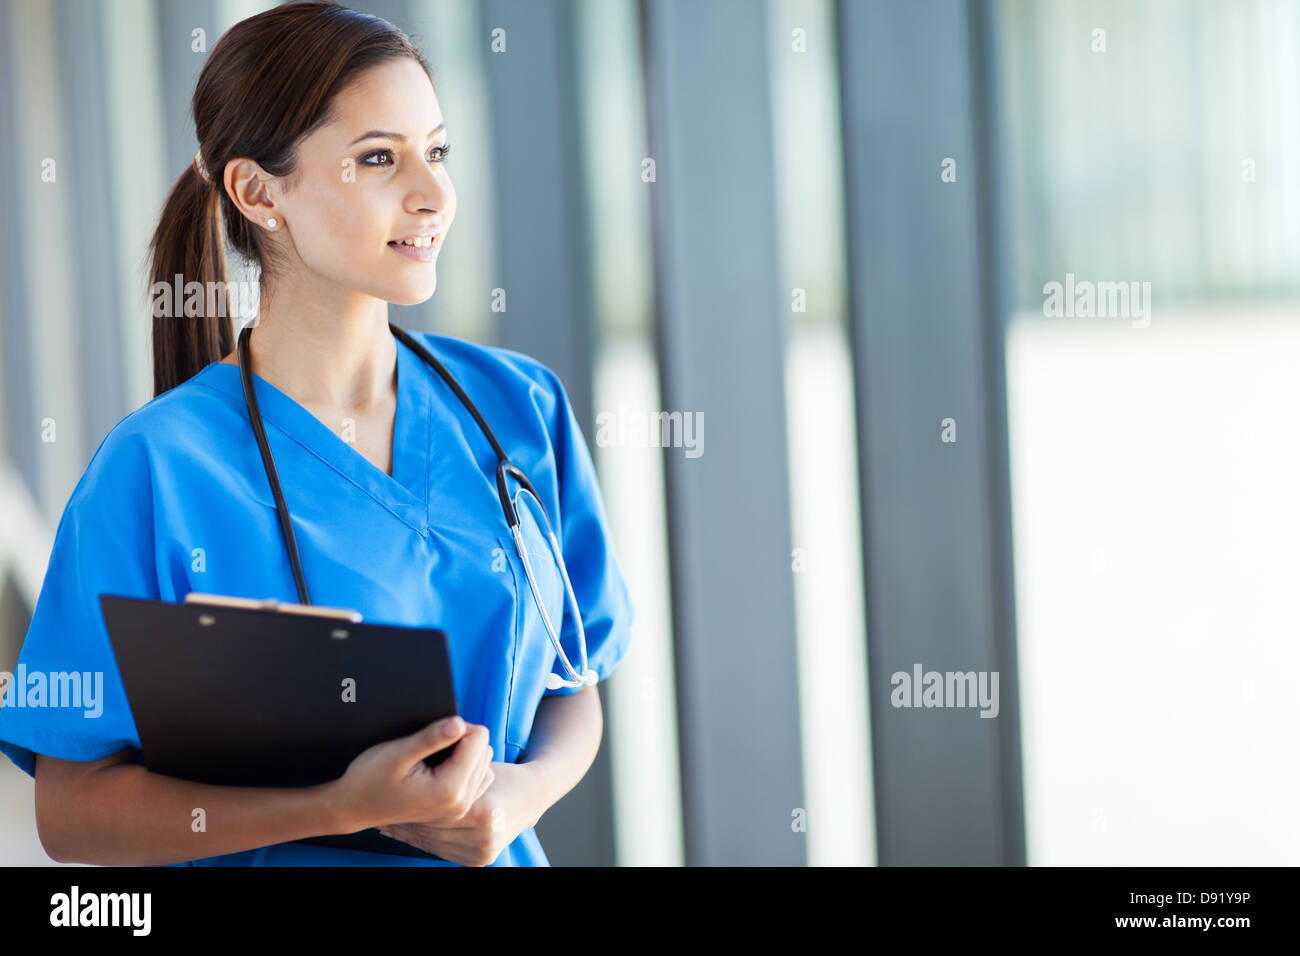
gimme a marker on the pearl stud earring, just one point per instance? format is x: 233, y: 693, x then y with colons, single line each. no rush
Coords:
x: 270, y: 223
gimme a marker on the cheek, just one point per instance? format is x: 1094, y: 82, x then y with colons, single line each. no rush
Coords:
x: 338, y: 232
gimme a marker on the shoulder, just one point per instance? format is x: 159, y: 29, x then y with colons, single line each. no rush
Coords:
x: 500, y: 363
x: 488, y: 369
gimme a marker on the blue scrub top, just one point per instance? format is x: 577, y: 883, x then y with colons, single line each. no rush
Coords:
x: 176, y: 500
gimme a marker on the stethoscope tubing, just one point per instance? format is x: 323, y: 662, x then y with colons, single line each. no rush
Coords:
x: 504, y: 467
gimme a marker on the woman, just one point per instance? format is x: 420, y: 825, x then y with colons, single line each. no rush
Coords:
x: 321, y: 157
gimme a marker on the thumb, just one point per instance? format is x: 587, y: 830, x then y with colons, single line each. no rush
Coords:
x: 428, y: 740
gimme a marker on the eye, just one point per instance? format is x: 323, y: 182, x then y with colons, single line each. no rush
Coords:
x: 441, y: 151
x: 365, y: 160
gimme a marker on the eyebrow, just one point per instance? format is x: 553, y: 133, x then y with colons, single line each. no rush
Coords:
x: 384, y: 134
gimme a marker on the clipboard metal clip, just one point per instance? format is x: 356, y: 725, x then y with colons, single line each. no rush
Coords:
x: 272, y: 604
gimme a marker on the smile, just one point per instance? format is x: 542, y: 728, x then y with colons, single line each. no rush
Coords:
x: 421, y: 249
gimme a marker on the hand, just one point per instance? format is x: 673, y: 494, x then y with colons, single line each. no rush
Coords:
x: 390, y: 782
x: 511, y: 804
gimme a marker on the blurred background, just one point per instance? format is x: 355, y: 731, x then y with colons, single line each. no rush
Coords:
x: 829, y: 230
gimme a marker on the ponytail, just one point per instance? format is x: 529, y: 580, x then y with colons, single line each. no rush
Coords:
x: 189, y: 242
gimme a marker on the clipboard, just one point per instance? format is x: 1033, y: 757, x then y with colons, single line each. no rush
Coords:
x: 241, y: 692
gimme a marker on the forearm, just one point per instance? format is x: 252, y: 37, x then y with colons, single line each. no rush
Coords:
x: 564, y: 742
x: 124, y: 815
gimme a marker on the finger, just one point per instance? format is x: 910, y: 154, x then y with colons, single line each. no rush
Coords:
x: 453, y: 772
x: 481, y: 784
x: 445, y: 844
x: 472, y: 831
x: 474, y: 780
x: 414, y: 837
x: 487, y: 780
x: 466, y: 762
x: 485, y: 774
x: 432, y: 838
x: 484, y: 771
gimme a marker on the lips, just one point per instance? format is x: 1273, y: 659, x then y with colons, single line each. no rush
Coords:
x: 419, y: 248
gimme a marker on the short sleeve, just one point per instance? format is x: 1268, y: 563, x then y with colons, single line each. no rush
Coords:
x: 65, y: 697
x: 598, y: 583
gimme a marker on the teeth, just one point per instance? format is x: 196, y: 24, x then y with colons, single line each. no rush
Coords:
x: 421, y: 242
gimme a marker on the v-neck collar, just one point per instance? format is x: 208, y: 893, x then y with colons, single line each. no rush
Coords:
x: 406, y: 491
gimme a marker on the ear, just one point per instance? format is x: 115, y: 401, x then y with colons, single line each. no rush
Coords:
x: 252, y: 189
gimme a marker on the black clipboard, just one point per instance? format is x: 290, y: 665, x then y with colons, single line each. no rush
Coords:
x: 241, y: 692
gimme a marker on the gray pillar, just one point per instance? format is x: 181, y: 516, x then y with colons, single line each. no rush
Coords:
x: 21, y: 427
x: 97, y: 280
x: 181, y: 65
x: 927, y: 295
x: 719, y: 311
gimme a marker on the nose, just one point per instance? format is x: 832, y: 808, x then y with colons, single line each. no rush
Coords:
x: 431, y: 190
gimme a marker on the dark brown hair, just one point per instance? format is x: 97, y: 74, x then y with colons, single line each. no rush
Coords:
x: 268, y: 82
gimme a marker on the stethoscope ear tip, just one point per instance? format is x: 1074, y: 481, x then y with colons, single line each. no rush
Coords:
x: 555, y: 681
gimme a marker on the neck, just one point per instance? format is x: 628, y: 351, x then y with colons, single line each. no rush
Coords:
x: 342, y: 358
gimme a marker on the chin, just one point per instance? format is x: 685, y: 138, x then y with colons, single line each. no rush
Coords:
x: 412, y: 296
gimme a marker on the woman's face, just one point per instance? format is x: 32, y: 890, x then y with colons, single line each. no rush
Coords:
x: 371, y: 177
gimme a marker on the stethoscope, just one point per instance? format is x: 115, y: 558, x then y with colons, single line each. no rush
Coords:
x: 508, y: 505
